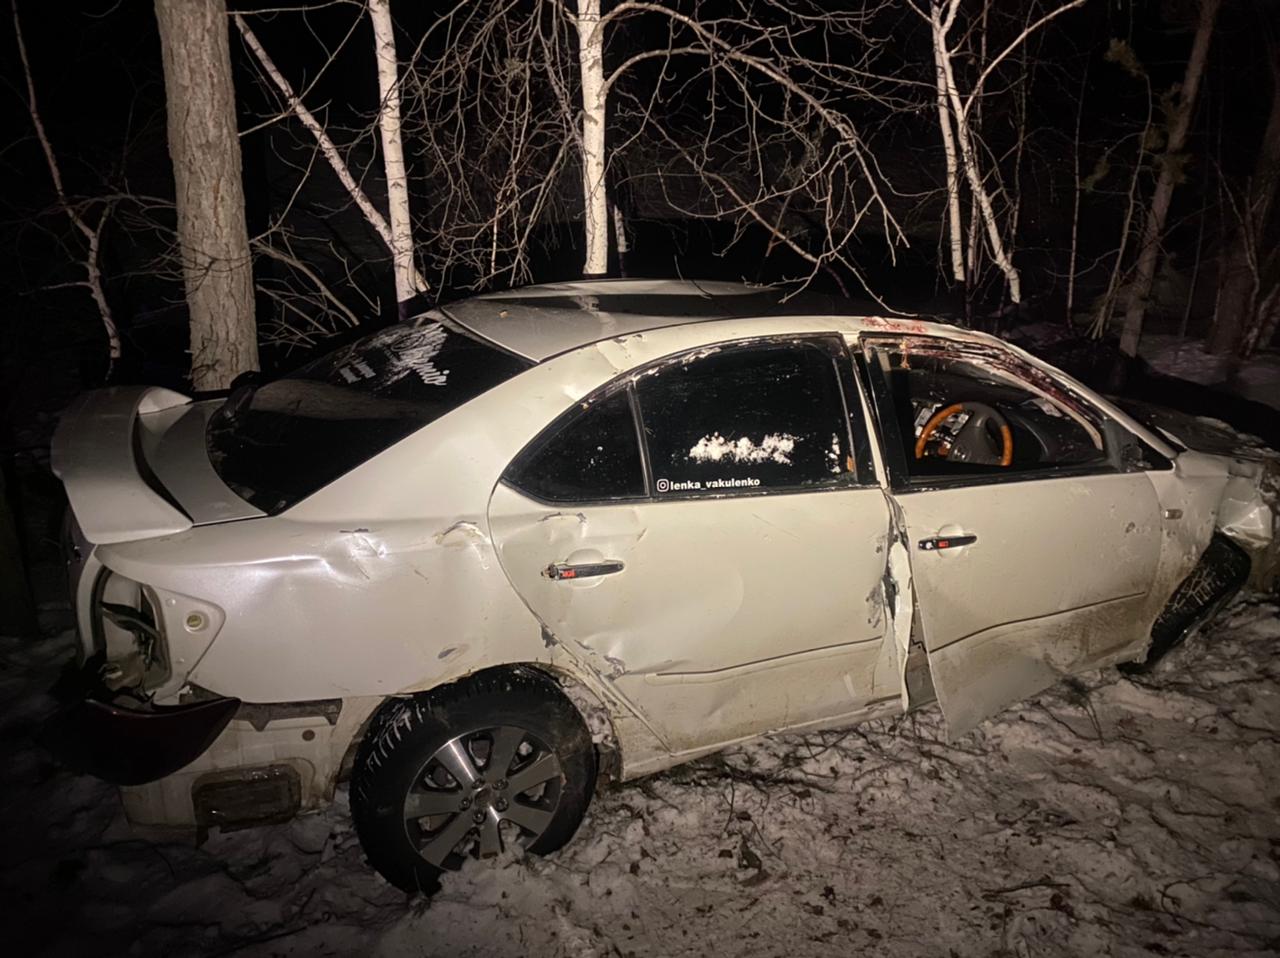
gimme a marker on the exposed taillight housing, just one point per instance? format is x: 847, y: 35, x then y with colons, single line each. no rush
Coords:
x: 128, y: 631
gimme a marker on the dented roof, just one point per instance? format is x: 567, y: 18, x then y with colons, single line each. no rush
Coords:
x: 539, y: 322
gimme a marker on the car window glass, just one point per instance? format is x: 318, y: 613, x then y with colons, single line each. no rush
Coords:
x: 594, y: 456
x: 275, y: 444
x: 745, y: 420
x: 956, y: 417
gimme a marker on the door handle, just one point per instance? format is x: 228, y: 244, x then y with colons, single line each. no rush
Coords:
x: 938, y: 543
x: 581, y: 570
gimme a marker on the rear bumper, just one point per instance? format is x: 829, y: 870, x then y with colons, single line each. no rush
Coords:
x: 120, y: 740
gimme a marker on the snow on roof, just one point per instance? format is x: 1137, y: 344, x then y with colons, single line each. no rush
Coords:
x: 542, y: 321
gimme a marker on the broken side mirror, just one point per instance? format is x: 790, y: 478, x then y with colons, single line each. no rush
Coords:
x: 1137, y: 456
x: 1133, y: 454
x: 1132, y: 458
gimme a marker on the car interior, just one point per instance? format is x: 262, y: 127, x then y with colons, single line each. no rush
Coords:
x: 957, y: 417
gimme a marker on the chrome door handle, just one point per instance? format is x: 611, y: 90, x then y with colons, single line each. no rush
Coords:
x: 581, y: 570
x: 938, y: 543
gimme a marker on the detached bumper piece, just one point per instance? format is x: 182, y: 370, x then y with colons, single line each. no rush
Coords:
x: 117, y: 739
x: 1220, y: 573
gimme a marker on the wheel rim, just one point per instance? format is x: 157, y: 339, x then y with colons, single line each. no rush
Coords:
x: 480, y: 790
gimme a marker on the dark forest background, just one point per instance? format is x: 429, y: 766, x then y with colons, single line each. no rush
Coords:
x: 1073, y: 130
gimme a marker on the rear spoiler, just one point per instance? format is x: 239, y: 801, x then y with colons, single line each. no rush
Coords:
x: 95, y: 454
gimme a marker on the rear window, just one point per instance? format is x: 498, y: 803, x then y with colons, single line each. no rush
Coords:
x: 276, y: 443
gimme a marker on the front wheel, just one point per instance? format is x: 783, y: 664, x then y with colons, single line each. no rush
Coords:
x: 463, y: 771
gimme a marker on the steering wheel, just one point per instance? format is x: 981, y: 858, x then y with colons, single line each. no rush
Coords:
x: 975, y: 442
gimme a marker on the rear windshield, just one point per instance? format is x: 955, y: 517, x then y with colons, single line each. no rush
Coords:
x: 275, y: 444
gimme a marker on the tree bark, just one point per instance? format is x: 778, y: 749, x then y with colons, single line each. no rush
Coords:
x: 384, y: 41
x: 955, y: 231
x: 1148, y: 256
x: 595, y: 211
x: 205, y: 148
x: 621, y: 244
x: 1268, y: 321
x: 1075, y: 200
x: 1239, y: 295
x: 969, y: 154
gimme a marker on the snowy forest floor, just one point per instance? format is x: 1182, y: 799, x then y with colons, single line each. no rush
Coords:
x: 1105, y: 817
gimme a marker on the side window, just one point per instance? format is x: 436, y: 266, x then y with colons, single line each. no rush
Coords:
x: 956, y: 417
x: 746, y: 419
x: 592, y: 457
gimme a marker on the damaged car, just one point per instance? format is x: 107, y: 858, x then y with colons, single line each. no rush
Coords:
x: 483, y: 560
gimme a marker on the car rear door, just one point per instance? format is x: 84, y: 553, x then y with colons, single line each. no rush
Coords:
x: 1022, y: 573
x: 726, y: 573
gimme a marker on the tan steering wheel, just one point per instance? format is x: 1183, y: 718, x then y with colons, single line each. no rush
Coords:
x: 974, y: 429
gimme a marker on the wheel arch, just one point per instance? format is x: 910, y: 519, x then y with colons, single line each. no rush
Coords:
x: 596, y: 715
x: 591, y: 707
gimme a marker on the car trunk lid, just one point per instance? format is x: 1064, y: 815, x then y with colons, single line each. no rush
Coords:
x: 134, y: 464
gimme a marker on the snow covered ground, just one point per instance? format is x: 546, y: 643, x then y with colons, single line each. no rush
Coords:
x: 1105, y: 817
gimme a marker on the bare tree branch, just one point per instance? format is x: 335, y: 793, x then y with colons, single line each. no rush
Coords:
x: 92, y: 234
x: 327, y: 147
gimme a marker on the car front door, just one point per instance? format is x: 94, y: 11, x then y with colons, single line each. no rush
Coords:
x: 1033, y: 547
x: 707, y: 535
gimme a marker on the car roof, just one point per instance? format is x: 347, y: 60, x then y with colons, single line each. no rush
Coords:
x: 539, y: 322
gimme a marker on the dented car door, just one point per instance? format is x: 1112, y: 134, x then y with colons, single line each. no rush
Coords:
x: 1033, y: 547
x: 708, y: 536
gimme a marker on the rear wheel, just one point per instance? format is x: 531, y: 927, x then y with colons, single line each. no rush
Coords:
x: 465, y: 771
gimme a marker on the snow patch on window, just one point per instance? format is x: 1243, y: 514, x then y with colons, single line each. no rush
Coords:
x: 776, y: 447
x: 833, y: 455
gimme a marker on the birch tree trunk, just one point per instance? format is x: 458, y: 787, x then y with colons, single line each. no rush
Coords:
x: 205, y: 148
x: 964, y: 138
x: 393, y: 149
x: 325, y: 143
x: 945, y: 125
x: 1148, y: 256
x: 595, y: 210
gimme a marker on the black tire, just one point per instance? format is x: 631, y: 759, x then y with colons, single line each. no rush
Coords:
x: 414, y: 747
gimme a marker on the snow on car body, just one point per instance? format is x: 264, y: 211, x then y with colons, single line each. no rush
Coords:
x: 704, y: 516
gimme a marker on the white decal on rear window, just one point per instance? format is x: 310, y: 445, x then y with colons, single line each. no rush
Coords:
x: 356, y: 371
x: 414, y: 351
x: 776, y: 447
x: 403, y: 350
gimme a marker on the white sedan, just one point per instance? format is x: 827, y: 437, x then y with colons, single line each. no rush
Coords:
x: 534, y: 540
